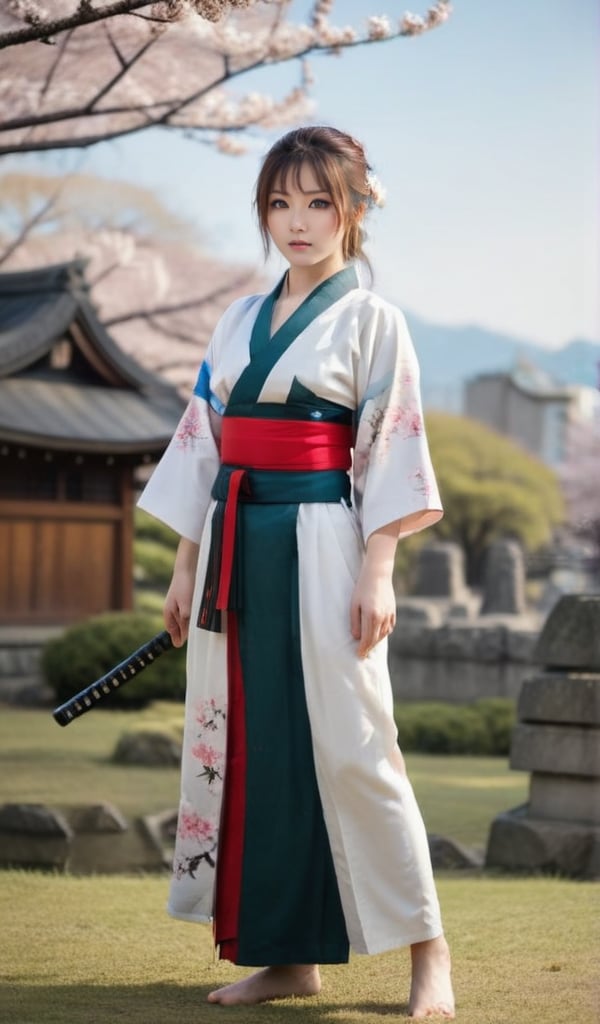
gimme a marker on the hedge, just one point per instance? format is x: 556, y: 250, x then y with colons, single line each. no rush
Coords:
x: 88, y: 650
x: 149, y: 528
x: 153, y: 563
x: 483, y: 727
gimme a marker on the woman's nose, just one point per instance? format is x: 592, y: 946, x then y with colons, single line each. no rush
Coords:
x: 297, y: 220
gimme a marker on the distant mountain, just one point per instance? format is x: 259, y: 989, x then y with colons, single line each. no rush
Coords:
x: 449, y: 356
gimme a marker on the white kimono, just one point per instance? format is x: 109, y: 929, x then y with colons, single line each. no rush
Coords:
x: 344, y: 350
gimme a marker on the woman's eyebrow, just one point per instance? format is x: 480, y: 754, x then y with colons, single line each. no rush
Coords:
x: 307, y: 192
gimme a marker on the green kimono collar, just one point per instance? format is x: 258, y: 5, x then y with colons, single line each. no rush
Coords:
x: 265, y: 351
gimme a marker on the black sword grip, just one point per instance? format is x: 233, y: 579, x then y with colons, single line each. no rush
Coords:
x: 112, y: 680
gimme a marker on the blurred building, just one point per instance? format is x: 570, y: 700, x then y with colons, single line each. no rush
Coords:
x: 77, y: 417
x: 527, y: 405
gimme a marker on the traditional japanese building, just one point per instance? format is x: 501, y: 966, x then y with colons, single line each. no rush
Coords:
x: 77, y: 416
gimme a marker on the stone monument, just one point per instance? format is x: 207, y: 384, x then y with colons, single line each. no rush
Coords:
x: 504, y: 579
x: 557, y: 739
x: 440, y: 571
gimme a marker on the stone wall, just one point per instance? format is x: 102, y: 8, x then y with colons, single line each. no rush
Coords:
x: 454, y: 644
x: 20, y: 652
x: 460, y: 661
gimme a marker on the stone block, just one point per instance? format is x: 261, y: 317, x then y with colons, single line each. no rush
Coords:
x: 96, y: 818
x: 33, y: 819
x: 518, y: 842
x: 33, y: 836
x: 440, y: 571
x: 520, y: 645
x: 571, y: 635
x: 418, y: 612
x: 108, y: 853
x: 490, y: 644
x: 162, y: 829
x: 148, y: 747
x: 24, y: 850
x: 504, y: 579
x: 570, y: 698
x: 448, y: 854
x: 456, y: 643
x: 414, y: 640
x: 565, y: 798
x: 556, y: 749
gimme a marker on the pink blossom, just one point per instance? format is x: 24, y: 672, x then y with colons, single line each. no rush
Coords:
x: 190, y: 429
x: 420, y: 483
x: 192, y: 826
x: 208, y: 713
x: 208, y: 756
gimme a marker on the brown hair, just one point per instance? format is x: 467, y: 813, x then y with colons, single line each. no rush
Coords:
x: 340, y: 166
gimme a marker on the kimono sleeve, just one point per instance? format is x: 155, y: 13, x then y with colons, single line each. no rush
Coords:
x: 179, y: 490
x: 393, y: 478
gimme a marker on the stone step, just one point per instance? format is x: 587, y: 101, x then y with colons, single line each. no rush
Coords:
x: 565, y: 798
x: 556, y: 749
x: 571, y: 698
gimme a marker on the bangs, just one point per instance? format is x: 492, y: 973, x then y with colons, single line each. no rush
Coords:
x: 289, y: 169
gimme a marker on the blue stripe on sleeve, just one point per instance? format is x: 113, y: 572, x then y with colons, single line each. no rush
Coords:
x: 202, y: 389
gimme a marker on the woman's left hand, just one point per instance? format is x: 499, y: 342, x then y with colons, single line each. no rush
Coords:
x: 373, y: 606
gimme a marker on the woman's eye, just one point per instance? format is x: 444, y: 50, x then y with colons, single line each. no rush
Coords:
x: 320, y: 204
x: 278, y: 204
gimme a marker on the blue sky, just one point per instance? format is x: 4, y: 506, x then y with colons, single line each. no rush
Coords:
x: 485, y: 134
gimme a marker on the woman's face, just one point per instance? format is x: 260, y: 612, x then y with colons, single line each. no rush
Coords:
x: 303, y: 222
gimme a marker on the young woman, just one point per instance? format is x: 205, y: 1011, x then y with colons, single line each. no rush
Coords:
x: 300, y: 462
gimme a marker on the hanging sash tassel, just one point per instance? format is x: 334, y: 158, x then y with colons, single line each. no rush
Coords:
x: 209, y: 617
x: 217, y: 595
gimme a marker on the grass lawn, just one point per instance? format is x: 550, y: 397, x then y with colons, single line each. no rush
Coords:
x: 41, y: 762
x: 101, y: 950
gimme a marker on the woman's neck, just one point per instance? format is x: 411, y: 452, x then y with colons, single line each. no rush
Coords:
x: 302, y: 280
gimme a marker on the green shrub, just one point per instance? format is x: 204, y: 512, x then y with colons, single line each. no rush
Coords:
x: 149, y: 528
x: 499, y: 715
x: 483, y: 727
x: 153, y: 562
x: 149, y: 601
x: 88, y: 650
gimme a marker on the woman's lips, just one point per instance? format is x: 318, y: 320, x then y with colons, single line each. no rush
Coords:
x: 300, y: 245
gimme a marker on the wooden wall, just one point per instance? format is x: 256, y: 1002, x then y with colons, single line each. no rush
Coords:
x: 64, y: 560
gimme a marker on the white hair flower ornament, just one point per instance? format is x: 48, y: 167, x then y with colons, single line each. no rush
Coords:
x: 375, y: 189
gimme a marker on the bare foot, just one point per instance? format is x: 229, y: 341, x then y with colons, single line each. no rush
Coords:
x: 271, y: 983
x: 431, y: 988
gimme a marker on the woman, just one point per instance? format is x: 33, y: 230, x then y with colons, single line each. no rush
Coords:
x: 298, y: 833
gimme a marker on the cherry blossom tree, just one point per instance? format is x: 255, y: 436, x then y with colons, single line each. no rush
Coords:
x: 117, y: 68
x: 152, y: 283
x: 76, y: 73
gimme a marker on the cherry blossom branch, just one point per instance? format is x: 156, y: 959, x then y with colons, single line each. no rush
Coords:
x: 33, y: 221
x: 179, y: 307
x: 55, y: 63
x: 38, y: 29
x: 126, y: 66
x: 330, y: 40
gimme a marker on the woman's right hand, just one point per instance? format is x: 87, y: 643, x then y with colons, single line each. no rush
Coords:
x: 178, y: 602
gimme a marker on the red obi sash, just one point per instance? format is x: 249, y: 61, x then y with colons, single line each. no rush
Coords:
x: 276, y: 445
x: 285, y: 445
